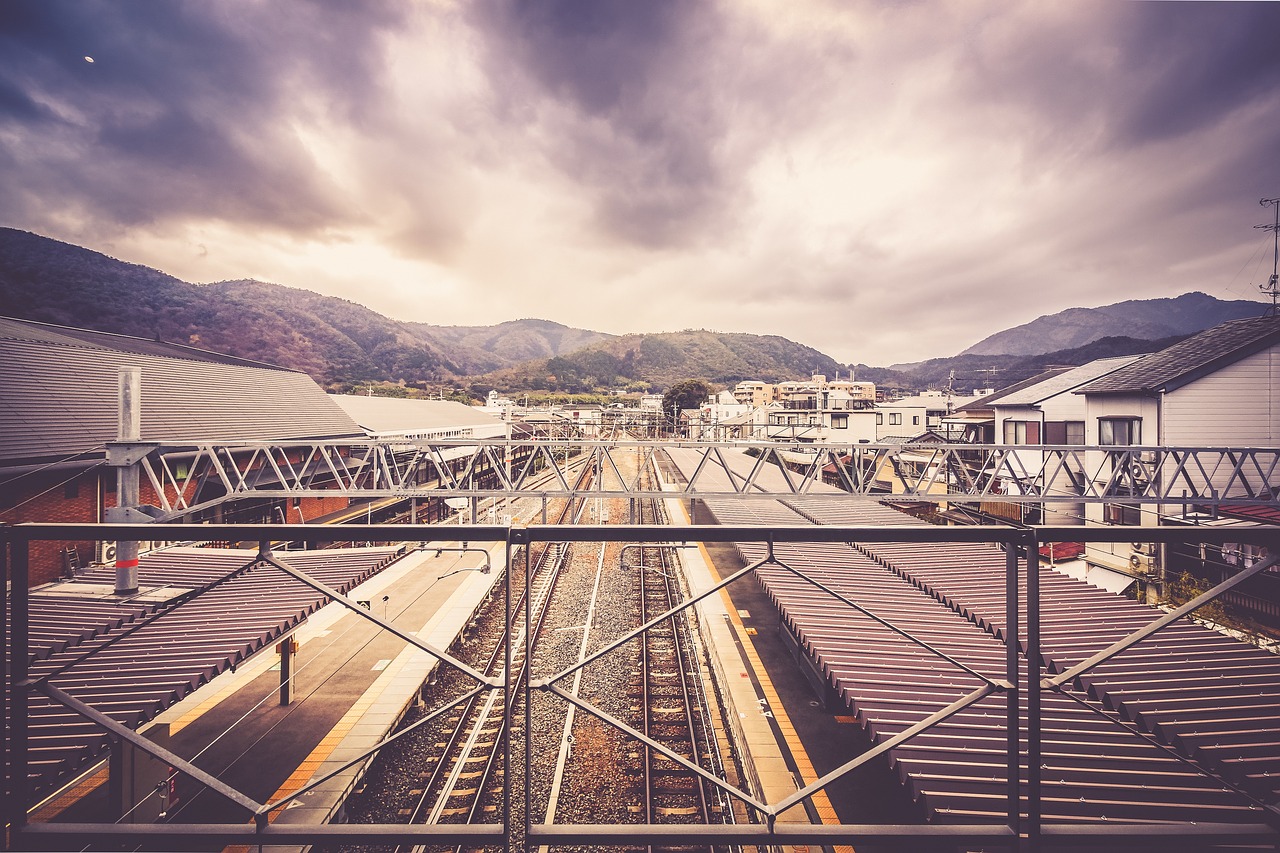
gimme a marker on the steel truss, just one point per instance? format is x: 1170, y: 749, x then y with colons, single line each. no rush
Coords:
x: 1023, y: 827
x: 181, y: 477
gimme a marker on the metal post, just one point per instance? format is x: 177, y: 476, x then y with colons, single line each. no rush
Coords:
x: 129, y: 429
x: 1033, y: 698
x: 528, y: 711
x: 1012, y: 662
x: 287, y: 647
x: 16, y: 747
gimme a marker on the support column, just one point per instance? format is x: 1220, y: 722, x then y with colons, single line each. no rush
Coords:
x: 129, y: 429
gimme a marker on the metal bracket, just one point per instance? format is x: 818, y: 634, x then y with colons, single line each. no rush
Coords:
x: 122, y: 454
x: 133, y: 514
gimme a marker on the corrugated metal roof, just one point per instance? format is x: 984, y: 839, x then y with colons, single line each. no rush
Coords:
x: 1206, y: 696
x: 59, y: 400
x: 172, y: 649
x: 397, y: 415
x: 1060, y: 383
x: 1191, y: 359
x: 30, y: 330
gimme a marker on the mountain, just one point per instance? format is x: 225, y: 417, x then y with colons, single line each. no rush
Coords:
x: 341, y: 343
x: 335, y: 341
x: 967, y: 372
x: 480, y: 349
x: 660, y: 360
x: 1144, y: 319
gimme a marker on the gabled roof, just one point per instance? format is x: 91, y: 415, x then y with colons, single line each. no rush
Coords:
x: 1061, y: 383
x: 1191, y: 359
x: 58, y: 395
x: 988, y: 401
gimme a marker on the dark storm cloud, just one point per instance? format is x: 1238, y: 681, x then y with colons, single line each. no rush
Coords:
x: 1195, y: 62
x: 183, y: 111
x: 640, y: 126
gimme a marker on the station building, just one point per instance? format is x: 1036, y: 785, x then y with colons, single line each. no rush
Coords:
x: 59, y: 390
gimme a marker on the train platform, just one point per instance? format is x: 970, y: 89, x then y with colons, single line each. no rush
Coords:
x: 789, y: 736
x: 352, y: 683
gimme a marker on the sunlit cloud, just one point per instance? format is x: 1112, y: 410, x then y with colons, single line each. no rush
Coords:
x: 884, y: 182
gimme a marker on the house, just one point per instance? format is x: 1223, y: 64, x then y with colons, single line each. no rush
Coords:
x: 58, y: 394
x: 754, y: 394
x: 1219, y: 388
x: 1047, y: 412
x: 912, y: 416
x: 839, y: 412
x: 718, y: 417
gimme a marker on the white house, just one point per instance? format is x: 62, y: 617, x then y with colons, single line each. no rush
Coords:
x: 1218, y: 388
x: 1048, y: 412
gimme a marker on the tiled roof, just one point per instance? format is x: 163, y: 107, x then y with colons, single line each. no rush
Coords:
x: 58, y: 395
x: 29, y: 330
x: 1192, y: 358
x: 1060, y: 383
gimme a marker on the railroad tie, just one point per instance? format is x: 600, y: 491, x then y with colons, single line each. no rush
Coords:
x: 669, y: 811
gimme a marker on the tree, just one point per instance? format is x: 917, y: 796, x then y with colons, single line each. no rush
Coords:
x: 686, y: 394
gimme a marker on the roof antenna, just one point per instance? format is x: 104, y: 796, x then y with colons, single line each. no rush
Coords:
x: 1272, y: 287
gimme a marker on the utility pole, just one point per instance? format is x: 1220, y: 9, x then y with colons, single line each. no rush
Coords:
x: 1272, y: 287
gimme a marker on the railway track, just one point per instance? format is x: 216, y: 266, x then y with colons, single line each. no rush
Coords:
x: 583, y: 598
x: 467, y: 775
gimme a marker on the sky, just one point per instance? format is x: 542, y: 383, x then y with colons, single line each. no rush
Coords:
x: 885, y: 182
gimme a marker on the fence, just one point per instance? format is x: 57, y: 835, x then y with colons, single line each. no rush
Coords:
x: 1023, y: 828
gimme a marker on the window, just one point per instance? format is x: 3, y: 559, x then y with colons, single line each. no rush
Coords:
x: 1127, y: 514
x: 915, y: 420
x: 1064, y: 432
x: 1021, y: 432
x: 839, y: 421
x: 1119, y: 431
x: 895, y: 419
x: 879, y: 418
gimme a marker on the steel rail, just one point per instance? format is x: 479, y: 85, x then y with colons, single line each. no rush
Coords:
x: 674, y: 625
x: 678, y: 629
x: 479, y: 714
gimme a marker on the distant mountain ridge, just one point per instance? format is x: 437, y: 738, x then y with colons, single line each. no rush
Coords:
x: 1143, y: 319
x: 339, y: 342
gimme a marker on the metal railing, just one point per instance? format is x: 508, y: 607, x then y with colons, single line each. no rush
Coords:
x: 1039, y: 474
x: 1024, y: 826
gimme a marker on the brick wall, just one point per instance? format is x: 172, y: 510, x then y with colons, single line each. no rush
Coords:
x: 50, y: 497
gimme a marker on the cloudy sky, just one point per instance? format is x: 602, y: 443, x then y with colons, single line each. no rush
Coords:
x: 885, y: 182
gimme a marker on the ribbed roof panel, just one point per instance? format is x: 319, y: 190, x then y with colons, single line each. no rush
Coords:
x: 59, y: 400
